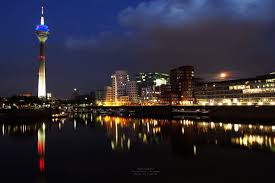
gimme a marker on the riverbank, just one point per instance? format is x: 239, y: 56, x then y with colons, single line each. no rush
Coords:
x: 213, y: 112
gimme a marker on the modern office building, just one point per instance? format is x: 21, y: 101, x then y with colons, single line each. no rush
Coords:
x: 258, y: 90
x: 131, y: 91
x: 99, y: 95
x: 108, y: 95
x: 167, y: 96
x: 119, y: 81
x: 149, y: 85
x: 122, y: 91
x: 182, y: 83
x: 42, y: 31
x: 147, y: 93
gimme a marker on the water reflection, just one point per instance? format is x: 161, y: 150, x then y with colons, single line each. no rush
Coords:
x: 41, y: 137
x: 19, y: 129
x: 185, y: 135
x: 26, y: 129
x: 185, y: 138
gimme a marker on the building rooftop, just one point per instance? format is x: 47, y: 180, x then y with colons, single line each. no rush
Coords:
x: 260, y: 77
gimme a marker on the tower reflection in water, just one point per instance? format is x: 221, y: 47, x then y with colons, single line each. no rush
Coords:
x: 184, y: 137
x: 29, y: 129
x: 41, y: 137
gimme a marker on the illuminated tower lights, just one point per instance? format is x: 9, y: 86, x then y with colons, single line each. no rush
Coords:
x: 42, y: 31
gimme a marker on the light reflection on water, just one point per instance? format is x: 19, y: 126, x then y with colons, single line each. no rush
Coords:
x: 185, y: 137
x: 125, y: 132
x: 34, y: 129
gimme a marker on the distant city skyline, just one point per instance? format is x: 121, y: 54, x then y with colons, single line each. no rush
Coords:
x: 92, y: 39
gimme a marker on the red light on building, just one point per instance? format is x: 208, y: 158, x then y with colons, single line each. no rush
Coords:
x: 42, y: 57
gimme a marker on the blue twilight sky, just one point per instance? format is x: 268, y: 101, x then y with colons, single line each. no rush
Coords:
x: 92, y: 38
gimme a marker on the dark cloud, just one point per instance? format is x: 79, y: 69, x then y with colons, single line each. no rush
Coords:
x: 212, y: 35
x: 185, y: 12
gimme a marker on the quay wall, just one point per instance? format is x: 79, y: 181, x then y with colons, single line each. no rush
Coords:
x: 215, y: 112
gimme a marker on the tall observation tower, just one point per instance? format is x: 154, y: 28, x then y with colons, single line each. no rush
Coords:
x: 42, y: 31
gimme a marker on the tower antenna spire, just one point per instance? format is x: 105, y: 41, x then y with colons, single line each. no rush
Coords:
x: 42, y: 14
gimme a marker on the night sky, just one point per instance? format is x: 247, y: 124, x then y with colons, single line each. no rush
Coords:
x: 92, y: 38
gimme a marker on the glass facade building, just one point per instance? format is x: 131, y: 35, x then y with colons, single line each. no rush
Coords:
x: 259, y: 90
x: 148, y: 85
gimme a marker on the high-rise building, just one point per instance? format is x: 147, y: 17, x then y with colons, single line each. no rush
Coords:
x: 182, y: 83
x: 119, y: 81
x: 42, y: 31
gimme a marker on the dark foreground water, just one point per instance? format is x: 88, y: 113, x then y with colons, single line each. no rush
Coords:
x: 98, y: 148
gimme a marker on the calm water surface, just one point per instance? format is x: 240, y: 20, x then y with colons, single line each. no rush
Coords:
x: 85, y: 148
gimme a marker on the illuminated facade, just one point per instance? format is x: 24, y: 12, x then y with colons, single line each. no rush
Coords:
x: 131, y: 91
x: 108, y: 95
x: 122, y: 91
x: 259, y: 90
x: 42, y: 32
x: 119, y: 81
x: 149, y: 86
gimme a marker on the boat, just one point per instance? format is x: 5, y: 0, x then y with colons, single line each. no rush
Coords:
x: 190, y: 112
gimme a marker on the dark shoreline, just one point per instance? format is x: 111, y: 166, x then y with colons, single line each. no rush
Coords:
x: 243, y: 114
x: 25, y: 115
